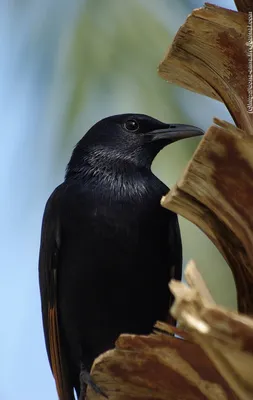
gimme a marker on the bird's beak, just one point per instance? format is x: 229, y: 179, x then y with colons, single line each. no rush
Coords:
x: 174, y: 132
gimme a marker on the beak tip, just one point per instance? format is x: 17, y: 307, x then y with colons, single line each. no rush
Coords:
x: 201, y: 132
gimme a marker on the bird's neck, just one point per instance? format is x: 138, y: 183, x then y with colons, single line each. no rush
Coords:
x: 106, y: 164
x: 117, y: 176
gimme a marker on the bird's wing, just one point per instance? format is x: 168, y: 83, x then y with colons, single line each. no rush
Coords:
x: 48, y: 270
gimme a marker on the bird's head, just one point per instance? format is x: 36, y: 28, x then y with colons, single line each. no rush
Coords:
x: 125, y: 141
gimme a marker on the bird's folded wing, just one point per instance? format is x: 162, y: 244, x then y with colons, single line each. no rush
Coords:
x: 48, y: 270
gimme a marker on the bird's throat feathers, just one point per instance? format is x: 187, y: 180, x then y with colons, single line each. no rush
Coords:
x: 116, y: 173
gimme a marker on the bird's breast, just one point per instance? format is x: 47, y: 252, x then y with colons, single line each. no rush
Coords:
x: 96, y: 224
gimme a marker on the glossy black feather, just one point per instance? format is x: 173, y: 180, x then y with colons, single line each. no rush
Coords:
x: 108, y: 249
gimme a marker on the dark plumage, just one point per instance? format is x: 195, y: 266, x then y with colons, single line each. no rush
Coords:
x: 108, y: 249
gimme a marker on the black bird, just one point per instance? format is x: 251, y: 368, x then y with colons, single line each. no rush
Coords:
x: 108, y: 249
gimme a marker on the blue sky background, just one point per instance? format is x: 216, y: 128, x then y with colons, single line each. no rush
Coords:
x: 36, y: 142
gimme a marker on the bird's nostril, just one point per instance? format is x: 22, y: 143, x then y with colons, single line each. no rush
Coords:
x: 172, y: 126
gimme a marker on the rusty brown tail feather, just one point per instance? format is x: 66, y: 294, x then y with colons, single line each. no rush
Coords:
x: 64, y: 388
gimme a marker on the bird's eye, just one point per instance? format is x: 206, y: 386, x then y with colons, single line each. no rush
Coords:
x: 131, y: 125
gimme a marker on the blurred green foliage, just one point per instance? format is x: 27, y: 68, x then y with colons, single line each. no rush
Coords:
x: 114, y: 49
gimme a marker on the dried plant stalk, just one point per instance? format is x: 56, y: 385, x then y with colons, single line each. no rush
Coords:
x: 209, y: 55
x: 225, y: 336
x: 216, y: 194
